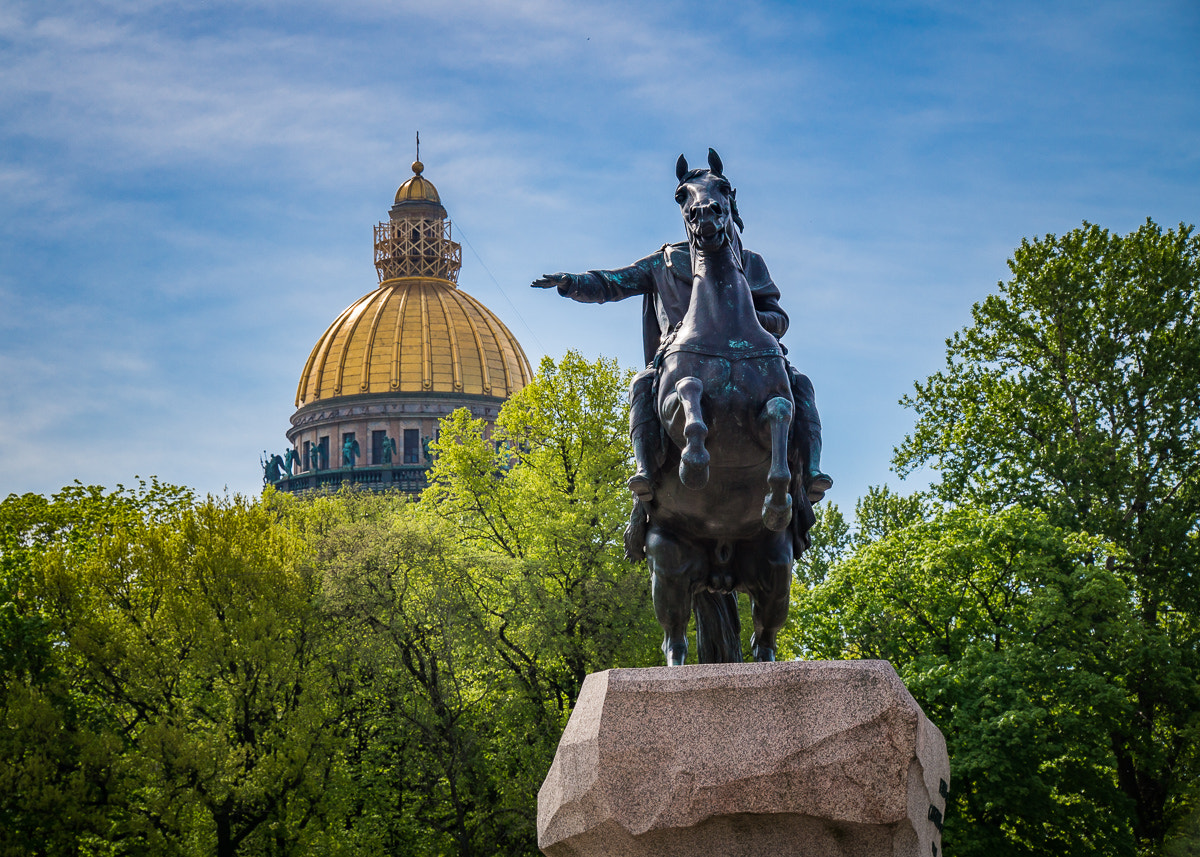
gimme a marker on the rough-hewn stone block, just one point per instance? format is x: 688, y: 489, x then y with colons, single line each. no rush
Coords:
x: 801, y: 758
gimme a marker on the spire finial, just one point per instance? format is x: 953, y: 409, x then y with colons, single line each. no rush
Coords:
x: 417, y: 166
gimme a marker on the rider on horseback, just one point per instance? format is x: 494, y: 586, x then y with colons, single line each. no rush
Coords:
x: 664, y: 279
x: 725, y: 432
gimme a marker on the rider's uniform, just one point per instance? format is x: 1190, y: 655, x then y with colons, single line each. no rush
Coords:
x: 664, y: 280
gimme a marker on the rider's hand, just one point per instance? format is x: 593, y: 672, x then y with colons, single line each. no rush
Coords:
x: 559, y: 281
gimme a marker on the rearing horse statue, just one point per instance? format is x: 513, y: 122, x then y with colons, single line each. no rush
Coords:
x: 719, y: 519
x: 725, y: 434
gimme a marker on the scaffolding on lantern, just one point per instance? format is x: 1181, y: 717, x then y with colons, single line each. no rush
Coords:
x: 416, y: 247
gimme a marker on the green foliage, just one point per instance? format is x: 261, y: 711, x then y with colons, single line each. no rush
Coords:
x: 1184, y: 840
x: 55, y: 763
x: 537, y: 513
x: 182, y: 707
x: 1005, y: 629
x: 542, y: 500
x: 882, y: 512
x: 1074, y: 392
x: 336, y: 674
x: 419, y: 706
x: 831, y: 539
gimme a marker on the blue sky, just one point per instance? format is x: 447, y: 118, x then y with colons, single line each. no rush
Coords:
x: 187, y: 190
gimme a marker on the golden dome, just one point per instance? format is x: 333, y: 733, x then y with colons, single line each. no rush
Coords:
x: 414, y: 335
x: 418, y: 188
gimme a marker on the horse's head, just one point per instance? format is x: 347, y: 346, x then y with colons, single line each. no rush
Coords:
x: 708, y: 202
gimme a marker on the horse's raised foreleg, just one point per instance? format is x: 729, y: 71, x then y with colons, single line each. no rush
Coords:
x: 777, y: 507
x: 675, y: 564
x: 693, y: 462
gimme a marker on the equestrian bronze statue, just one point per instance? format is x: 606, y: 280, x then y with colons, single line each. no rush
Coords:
x: 726, y: 436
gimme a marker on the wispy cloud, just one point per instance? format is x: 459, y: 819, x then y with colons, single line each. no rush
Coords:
x: 187, y: 188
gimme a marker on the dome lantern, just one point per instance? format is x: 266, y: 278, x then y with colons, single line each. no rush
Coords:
x: 416, y: 241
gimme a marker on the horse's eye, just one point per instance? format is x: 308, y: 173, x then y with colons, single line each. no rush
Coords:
x: 680, y: 196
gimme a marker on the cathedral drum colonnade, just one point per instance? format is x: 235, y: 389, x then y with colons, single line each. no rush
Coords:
x: 399, y: 359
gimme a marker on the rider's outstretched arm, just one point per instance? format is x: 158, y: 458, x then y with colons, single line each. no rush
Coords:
x: 598, y: 287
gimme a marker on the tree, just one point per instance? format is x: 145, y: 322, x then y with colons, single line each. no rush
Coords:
x: 1075, y: 392
x: 831, y: 540
x: 418, y: 705
x: 883, y: 512
x: 190, y: 673
x: 546, y: 494
x: 538, y: 511
x: 58, y: 766
x: 1005, y: 629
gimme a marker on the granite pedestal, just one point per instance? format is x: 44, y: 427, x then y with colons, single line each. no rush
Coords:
x: 813, y: 759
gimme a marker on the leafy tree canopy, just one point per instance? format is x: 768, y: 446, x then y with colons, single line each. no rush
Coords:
x: 544, y: 498
x: 1005, y: 628
x: 1074, y: 392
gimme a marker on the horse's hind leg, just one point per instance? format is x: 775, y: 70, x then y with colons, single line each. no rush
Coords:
x: 777, y: 507
x: 693, y: 462
x: 766, y: 565
x: 675, y: 565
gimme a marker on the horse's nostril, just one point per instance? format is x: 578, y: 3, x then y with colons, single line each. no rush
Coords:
x: 714, y: 207
x: 693, y: 213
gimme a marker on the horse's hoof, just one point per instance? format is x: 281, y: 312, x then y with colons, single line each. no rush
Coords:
x: 695, y: 478
x: 777, y: 516
x: 764, y: 655
x: 693, y: 469
x: 639, y: 483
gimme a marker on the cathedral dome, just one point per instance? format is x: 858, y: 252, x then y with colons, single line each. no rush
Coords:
x: 417, y: 333
x: 414, y: 335
x: 397, y: 361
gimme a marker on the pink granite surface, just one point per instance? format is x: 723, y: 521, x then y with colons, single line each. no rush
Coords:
x: 799, y: 758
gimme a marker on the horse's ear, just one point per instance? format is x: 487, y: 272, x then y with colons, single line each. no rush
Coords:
x: 681, y: 168
x: 714, y: 162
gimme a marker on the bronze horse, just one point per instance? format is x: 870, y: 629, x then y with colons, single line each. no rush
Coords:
x: 719, y: 521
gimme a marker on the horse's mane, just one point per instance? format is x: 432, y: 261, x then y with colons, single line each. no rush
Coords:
x: 695, y: 174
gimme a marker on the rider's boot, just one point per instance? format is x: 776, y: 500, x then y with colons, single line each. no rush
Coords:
x: 808, y: 425
x: 816, y: 482
x: 641, y: 482
x: 643, y: 435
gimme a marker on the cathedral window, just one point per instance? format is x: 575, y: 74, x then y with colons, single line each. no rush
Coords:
x: 412, y: 446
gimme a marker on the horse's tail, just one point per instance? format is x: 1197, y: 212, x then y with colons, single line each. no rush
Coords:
x: 718, y: 627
